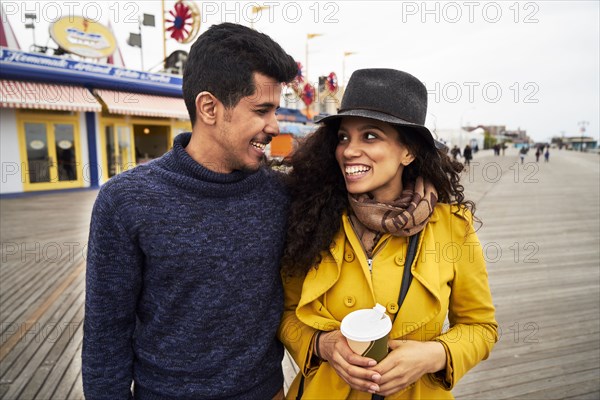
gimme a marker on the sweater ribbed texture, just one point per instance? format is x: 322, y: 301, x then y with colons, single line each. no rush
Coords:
x: 183, y: 293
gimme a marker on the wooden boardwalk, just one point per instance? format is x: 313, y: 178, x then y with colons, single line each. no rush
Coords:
x: 541, y: 235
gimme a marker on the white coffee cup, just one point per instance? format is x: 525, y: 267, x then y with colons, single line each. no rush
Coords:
x: 367, y: 332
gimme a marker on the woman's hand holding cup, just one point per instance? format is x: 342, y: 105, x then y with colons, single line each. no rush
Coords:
x: 407, y: 362
x: 351, y: 367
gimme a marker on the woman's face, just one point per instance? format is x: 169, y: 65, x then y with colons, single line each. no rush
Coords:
x: 371, y: 158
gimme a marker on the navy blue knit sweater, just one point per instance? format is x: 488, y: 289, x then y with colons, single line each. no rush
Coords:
x: 183, y: 293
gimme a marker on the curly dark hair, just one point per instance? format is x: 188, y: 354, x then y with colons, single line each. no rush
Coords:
x: 319, y: 195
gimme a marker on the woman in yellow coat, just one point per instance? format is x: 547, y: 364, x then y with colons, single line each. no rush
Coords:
x: 369, y: 183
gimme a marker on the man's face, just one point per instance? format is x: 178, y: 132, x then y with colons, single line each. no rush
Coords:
x: 245, y: 130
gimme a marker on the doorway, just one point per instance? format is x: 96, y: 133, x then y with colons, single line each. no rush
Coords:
x: 50, y: 153
x: 151, y: 141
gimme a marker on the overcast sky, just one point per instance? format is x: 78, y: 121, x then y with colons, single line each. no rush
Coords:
x: 532, y: 65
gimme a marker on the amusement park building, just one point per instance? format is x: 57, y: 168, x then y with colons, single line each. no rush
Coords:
x: 70, y: 124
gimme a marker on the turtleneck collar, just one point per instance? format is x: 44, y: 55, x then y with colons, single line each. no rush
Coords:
x: 194, y: 175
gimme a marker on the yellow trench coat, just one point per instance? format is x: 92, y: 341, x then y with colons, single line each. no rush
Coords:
x: 449, y: 278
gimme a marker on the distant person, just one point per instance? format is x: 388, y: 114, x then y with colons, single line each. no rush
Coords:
x: 538, y: 153
x: 522, y: 154
x: 455, y: 152
x: 547, y: 154
x: 476, y: 148
x: 183, y: 288
x: 468, y: 154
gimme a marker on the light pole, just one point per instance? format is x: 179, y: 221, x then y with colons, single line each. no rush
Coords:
x: 135, y: 39
x: 31, y: 25
x: 164, y: 29
x: 256, y: 10
x: 308, y: 37
x: 461, y: 125
x: 141, y: 43
x: 346, y: 54
x: 582, y: 125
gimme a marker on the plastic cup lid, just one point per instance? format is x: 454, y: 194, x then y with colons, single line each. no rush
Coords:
x: 366, y: 325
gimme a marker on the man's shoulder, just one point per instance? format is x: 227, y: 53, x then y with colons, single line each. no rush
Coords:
x: 277, y: 180
x: 132, y: 182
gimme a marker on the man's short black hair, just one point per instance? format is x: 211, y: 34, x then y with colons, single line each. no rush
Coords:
x: 223, y: 59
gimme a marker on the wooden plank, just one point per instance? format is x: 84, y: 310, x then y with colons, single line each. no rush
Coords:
x: 583, y: 391
x: 60, y: 367
x: 35, y: 293
x: 524, y: 370
x: 539, y: 381
x: 23, y: 372
x: 58, y: 358
x: 77, y: 389
x: 33, y: 255
x: 18, y: 358
x: 36, y: 282
x: 70, y: 386
x: 520, y: 362
x: 14, y: 274
x: 34, y: 316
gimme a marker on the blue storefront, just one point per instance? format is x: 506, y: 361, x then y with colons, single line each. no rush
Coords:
x: 69, y: 124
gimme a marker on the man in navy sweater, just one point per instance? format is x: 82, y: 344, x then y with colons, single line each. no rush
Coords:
x: 183, y: 293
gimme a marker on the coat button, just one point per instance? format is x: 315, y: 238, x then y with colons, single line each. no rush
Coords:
x: 392, y: 307
x: 349, y: 256
x: 399, y: 260
x: 349, y: 301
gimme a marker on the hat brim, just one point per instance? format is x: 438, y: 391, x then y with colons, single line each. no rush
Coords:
x: 379, y: 116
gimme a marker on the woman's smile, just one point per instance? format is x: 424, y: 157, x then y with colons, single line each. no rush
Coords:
x: 355, y: 172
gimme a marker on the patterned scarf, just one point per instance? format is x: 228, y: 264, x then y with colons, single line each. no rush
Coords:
x: 403, y: 217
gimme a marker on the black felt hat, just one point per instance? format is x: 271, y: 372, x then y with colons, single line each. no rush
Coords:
x: 386, y: 95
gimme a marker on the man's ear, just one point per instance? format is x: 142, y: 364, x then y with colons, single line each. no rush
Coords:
x: 206, y: 108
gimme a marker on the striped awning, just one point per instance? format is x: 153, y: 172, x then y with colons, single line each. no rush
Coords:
x: 143, y: 104
x: 45, y: 96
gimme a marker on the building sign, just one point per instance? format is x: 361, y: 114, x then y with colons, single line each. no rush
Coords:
x: 37, y: 144
x: 83, y: 37
x: 65, y: 144
x: 22, y: 65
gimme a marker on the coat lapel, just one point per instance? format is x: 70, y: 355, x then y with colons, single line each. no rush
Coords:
x: 310, y: 310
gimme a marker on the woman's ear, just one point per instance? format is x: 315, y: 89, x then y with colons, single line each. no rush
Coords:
x: 206, y: 108
x: 408, y: 158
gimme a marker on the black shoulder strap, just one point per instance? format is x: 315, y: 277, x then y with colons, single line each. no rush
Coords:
x: 406, y: 275
x: 301, y: 388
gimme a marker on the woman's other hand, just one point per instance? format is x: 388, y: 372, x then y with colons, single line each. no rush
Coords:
x: 351, y: 367
x: 408, y: 361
